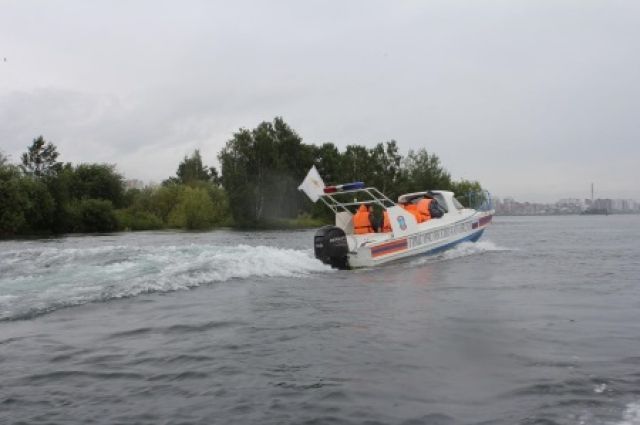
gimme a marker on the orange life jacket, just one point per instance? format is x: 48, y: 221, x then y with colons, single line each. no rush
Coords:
x: 412, y: 208
x: 386, y: 224
x: 361, y: 221
x: 423, y: 213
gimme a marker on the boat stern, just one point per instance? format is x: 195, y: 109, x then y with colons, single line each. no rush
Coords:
x: 331, y: 247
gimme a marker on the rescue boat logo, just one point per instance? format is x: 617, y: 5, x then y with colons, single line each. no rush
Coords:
x: 402, y: 223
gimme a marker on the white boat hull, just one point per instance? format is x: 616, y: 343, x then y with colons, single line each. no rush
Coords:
x: 408, y: 234
x: 427, y: 239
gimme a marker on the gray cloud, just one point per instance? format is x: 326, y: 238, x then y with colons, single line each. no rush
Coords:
x: 534, y: 99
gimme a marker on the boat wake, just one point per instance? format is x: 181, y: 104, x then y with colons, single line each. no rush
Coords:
x: 631, y: 415
x: 464, y: 249
x: 36, y: 281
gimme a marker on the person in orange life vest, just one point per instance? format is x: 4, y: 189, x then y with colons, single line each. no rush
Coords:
x: 386, y: 224
x: 422, y: 210
x: 412, y: 208
x: 362, y: 221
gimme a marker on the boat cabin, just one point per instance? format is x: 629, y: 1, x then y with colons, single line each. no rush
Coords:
x: 364, y: 210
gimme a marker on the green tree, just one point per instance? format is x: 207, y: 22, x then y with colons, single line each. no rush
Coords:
x: 94, y: 215
x: 131, y: 196
x: 192, y: 170
x: 386, y: 167
x: 139, y: 214
x: 13, y: 202
x: 140, y: 199
x: 41, y: 159
x: 261, y: 169
x: 195, y: 210
x: 424, y: 171
x: 468, y: 192
x: 175, y: 205
x: 40, y: 210
x: 356, y: 163
x: 163, y: 200
x: 59, y: 187
x: 237, y: 160
x: 328, y: 160
x: 218, y: 196
x: 131, y: 219
x: 98, y: 181
x: 25, y: 204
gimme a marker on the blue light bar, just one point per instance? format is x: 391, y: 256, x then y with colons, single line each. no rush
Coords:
x: 353, y: 186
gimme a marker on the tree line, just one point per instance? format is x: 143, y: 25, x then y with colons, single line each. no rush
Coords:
x: 260, y: 170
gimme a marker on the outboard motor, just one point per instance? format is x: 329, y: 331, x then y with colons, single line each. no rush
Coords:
x: 330, y: 246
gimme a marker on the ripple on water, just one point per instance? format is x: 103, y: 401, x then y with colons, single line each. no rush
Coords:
x: 543, y: 333
x: 179, y: 329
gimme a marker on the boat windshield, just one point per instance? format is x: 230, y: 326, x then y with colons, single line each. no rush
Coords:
x: 457, y: 204
x: 441, y: 201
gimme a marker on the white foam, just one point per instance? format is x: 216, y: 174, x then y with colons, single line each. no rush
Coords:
x: 471, y: 248
x: 463, y: 249
x: 45, y: 279
x: 600, y: 388
x: 631, y: 415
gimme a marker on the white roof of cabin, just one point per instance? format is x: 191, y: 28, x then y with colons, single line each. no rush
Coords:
x: 408, y: 196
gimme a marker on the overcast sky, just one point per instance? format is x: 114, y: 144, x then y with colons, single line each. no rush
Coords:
x: 535, y: 99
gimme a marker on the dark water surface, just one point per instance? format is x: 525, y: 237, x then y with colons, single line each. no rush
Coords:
x: 539, y: 323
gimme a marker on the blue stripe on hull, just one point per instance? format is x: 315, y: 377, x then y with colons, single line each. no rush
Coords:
x: 470, y: 238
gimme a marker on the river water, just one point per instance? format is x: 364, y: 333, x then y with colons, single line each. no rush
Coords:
x: 538, y: 323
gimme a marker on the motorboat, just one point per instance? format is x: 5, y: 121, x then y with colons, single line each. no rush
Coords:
x: 341, y: 247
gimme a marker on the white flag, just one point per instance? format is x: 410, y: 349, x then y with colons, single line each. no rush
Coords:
x: 312, y: 185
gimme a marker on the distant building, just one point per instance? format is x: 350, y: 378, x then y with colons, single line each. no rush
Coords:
x: 566, y: 206
x: 133, y: 184
x: 603, y: 204
x: 628, y: 205
x: 571, y: 206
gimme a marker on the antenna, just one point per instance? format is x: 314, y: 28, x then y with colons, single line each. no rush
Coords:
x: 592, y: 193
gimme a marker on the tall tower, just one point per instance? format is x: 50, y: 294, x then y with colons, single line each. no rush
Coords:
x: 591, y: 193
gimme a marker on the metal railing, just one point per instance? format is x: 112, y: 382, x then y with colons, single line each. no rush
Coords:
x: 371, y: 194
x: 479, y: 200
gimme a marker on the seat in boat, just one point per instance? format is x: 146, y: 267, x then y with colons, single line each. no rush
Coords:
x: 386, y: 224
x: 362, y: 221
x: 422, y: 210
